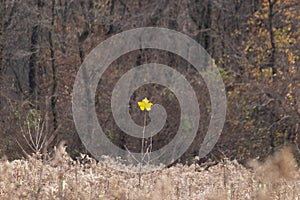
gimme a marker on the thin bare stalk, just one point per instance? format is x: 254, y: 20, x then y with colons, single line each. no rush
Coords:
x: 143, y: 138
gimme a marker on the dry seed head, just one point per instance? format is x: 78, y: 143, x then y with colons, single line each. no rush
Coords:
x: 60, y: 154
x: 263, y: 196
x: 281, y: 165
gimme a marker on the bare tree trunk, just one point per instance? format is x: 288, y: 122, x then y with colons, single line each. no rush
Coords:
x: 254, y: 6
x: 33, y: 56
x: 201, y: 15
x: 1, y: 41
x: 111, y: 12
x: 53, y: 66
x: 271, y: 33
x: 5, y: 21
x: 85, y: 33
x: 64, y: 26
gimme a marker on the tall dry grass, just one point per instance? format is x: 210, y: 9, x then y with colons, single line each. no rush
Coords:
x: 64, y: 178
x: 278, y: 170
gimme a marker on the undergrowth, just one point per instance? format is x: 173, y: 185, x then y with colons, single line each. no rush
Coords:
x: 60, y: 177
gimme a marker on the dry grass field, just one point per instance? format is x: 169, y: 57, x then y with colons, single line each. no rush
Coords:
x: 62, y: 178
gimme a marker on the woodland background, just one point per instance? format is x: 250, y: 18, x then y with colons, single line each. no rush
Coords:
x: 254, y: 43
